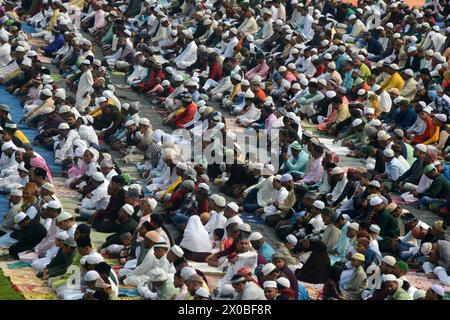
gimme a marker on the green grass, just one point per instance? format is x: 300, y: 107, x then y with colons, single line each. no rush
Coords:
x: 6, y: 292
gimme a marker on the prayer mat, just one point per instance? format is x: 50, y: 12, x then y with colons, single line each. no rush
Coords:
x: 45, y: 60
x: 128, y: 292
x: 315, y: 291
x: 398, y: 199
x: 207, y: 270
x: 22, y: 278
x: 31, y: 292
x: 420, y: 281
x: 131, y: 298
x: 18, y: 264
x: 37, y: 42
x: 118, y: 73
x: 252, y: 218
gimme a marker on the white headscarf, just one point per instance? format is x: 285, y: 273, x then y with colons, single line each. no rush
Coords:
x: 195, y: 237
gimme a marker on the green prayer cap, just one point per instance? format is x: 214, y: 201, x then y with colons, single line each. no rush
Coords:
x: 327, y: 211
x: 402, y: 265
x: 296, y: 146
x: 358, y: 81
x: 367, y: 150
x: 127, y: 178
x: 429, y: 168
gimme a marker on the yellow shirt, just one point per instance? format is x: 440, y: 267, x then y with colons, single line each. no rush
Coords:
x: 53, y: 20
x: 394, y: 81
x: 77, y: 3
x: 20, y: 136
x: 434, y: 137
x: 172, y: 187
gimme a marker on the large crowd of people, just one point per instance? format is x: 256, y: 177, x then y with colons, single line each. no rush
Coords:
x: 375, y: 78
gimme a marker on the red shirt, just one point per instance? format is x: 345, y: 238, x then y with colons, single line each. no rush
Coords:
x: 215, y: 72
x: 185, y: 116
x: 426, y: 134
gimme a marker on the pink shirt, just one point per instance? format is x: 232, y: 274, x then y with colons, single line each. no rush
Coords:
x: 314, y: 172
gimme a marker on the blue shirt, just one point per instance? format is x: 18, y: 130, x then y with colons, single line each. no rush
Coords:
x: 266, y: 251
x: 55, y: 45
x: 406, y: 119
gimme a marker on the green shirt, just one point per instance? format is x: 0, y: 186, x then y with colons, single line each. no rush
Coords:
x: 440, y: 188
x: 400, y: 294
x: 365, y: 71
x: 298, y: 163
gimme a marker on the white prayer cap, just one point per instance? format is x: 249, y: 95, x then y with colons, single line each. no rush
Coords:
x: 152, y: 203
x: 441, y: 117
x: 22, y: 167
x: 375, y: 184
x: 295, y: 50
x: 291, y: 66
x: 245, y: 227
x: 357, y: 122
x: 361, y: 92
x: 388, y: 153
x: 389, y: 260
x: 98, y: 176
x: 304, y: 82
x: 245, y: 82
x: 369, y: 111
x: 286, y: 177
x: 86, y: 62
x: 426, y: 248
x: 376, y: 201
x: 144, y: 121
x: 60, y: 93
x: 26, y: 62
x: 64, y: 126
x: 255, y: 236
x: 258, y: 166
x: 177, y: 251
x: 186, y: 272
x: 270, y: 284
x: 282, y: 69
x: 374, y: 228
x: 16, y: 193
x: 411, y: 49
x: 322, y: 82
x: 375, y: 122
x: 352, y: 17
x: 91, y: 275
x: 376, y: 87
x: 46, y: 92
x: 337, y: 170
x: 182, y: 166
x: 54, y: 204
x: 268, y: 269
x: 62, y: 235
x: 236, y: 76
x: 249, y: 94
x: 203, y: 186
x: 158, y: 275
x: 319, y: 204
x: 128, y: 208
x: 419, y: 293
x: 296, y: 86
x: 19, y: 217
x: 284, y: 282
x: 327, y: 56
x: 388, y: 277
x: 332, y: 66
x: 94, y: 258
x: 233, y: 206
x: 219, y: 200
x: 421, y: 147
x: 291, y: 239
x: 4, y: 37
x: 202, y: 292
x: 331, y: 94
x: 63, y: 216
x: 354, y: 226
x: 64, y: 109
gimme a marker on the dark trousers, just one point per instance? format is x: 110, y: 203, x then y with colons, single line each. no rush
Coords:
x: 251, y: 202
x: 273, y: 220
